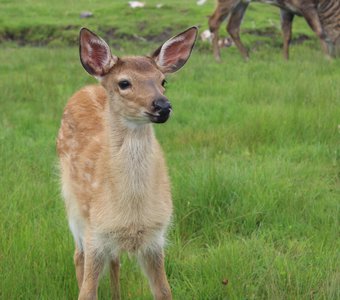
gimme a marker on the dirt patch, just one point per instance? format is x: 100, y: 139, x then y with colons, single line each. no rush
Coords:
x: 40, y: 35
x: 268, y: 32
x: 161, y: 37
x: 68, y: 35
x: 300, y: 39
x: 271, y: 33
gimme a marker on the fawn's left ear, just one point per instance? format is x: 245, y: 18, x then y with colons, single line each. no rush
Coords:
x: 175, y: 52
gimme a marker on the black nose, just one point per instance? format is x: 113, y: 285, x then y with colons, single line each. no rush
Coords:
x: 161, y: 110
x: 161, y: 105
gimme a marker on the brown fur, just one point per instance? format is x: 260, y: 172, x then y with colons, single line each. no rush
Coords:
x: 114, y: 177
x: 323, y: 16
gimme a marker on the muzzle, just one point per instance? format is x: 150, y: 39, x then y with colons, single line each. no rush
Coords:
x: 161, y: 109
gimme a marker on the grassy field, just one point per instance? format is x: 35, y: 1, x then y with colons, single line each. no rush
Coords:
x: 253, y: 151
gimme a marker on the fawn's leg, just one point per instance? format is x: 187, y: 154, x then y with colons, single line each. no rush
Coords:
x: 79, y: 265
x: 93, y: 265
x: 152, y: 262
x: 114, y: 278
x: 233, y: 27
x: 286, y: 26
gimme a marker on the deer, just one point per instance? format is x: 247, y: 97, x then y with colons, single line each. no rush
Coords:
x: 323, y: 17
x: 114, y: 178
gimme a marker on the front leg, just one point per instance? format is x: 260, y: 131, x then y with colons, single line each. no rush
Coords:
x: 93, y: 265
x: 215, y: 20
x: 286, y: 26
x: 152, y: 263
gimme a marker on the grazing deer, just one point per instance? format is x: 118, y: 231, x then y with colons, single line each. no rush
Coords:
x: 323, y: 16
x: 113, y: 173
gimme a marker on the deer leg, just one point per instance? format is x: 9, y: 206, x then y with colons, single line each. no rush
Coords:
x: 286, y: 26
x: 216, y: 48
x: 214, y: 26
x: 79, y: 265
x: 152, y: 263
x: 313, y: 21
x: 233, y: 27
x: 93, y: 265
x: 215, y: 21
x: 114, y: 278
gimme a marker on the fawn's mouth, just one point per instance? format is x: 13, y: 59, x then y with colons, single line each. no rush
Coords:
x: 159, y: 117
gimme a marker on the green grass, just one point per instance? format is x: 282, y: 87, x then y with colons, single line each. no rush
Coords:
x: 37, y: 22
x: 253, y: 151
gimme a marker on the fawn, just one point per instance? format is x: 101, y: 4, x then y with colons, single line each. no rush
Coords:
x: 113, y: 173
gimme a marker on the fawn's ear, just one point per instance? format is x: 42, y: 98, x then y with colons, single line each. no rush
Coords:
x: 95, y: 54
x: 175, y: 52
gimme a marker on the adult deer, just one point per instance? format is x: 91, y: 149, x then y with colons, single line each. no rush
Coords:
x: 113, y: 173
x: 323, y: 16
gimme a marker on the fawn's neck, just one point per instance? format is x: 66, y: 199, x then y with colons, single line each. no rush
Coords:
x: 132, y: 149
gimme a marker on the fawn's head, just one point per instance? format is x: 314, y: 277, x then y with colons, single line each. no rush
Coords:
x: 136, y: 84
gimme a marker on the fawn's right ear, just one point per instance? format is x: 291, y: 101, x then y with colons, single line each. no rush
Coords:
x: 95, y: 54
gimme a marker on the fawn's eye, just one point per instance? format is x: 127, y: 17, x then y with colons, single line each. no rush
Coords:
x: 124, y: 84
x: 164, y: 82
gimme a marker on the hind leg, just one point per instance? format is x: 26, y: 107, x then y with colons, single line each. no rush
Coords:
x: 114, y: 278
x: 233, y: 27
x: 76, y: 227
x: 313, y: 21
x: 286, y: 26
